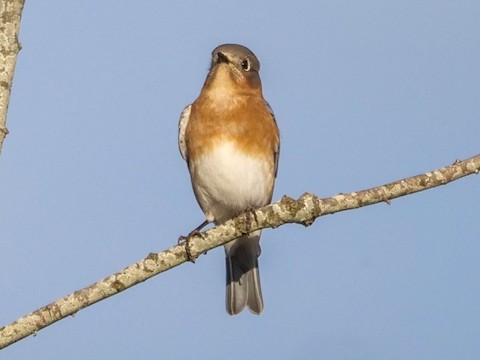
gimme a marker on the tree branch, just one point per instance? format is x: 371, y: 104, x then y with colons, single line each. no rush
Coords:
x: 302, y: 211
x: 10, y: 15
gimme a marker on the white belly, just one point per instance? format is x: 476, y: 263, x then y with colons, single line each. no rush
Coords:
x: 227, y: 181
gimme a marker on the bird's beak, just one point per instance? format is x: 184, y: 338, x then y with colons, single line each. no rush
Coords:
x: 221, y: 58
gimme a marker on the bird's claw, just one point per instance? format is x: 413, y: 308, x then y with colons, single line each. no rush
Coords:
x: 249, y: 213
x: 185, y: 240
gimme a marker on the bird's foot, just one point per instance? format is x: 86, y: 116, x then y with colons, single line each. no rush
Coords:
x: 186, y: 240
x: 249, y: 215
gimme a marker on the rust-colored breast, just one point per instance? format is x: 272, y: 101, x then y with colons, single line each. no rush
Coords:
x: 244, y: 120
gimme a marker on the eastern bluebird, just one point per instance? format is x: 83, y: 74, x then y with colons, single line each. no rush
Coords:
x: 229, y: 138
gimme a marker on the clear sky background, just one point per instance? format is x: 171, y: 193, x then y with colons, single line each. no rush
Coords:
x: 365, y: 92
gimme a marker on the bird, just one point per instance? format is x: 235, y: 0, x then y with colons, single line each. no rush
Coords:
x: 230, y: 140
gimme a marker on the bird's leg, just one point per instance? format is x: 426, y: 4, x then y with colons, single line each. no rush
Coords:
x: 194, y: 232
x: 186, y: 239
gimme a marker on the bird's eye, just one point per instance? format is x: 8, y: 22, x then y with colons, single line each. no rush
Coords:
x: 246, y: 65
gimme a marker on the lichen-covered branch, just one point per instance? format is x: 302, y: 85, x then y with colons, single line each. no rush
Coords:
x: 10, y: 14
x: 302, y: 211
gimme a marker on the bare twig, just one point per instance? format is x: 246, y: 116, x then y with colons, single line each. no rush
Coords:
x: 10, y: 14
x: 302, y: 211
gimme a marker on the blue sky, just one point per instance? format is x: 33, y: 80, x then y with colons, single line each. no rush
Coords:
x: 365, y: 92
